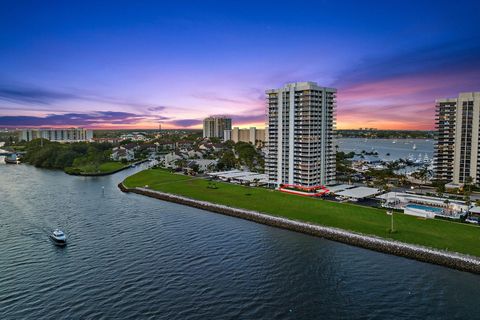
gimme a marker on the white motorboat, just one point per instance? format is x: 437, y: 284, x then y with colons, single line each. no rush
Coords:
x: 12, y: 159
x: 426, y: 159
x: 58, y: 237
x: 419, y: 160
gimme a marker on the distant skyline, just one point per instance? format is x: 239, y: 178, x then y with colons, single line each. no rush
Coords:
x: 124, y: 64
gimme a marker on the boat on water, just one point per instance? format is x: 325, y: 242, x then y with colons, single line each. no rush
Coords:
x: 12, y: 159
x: 426, y: 159
x: 414, y: 147
x: 419, y: 160
x: 58, y: 237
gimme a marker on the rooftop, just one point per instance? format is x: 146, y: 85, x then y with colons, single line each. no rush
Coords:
x: 340, y: 187
x: 359, y: 192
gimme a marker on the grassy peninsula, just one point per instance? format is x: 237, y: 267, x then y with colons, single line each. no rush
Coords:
x: 433, y: 233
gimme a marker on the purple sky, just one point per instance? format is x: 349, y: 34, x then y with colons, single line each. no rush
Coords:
x: 132, y: 65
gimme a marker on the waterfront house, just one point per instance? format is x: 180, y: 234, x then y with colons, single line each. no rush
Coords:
x: 203, y: 164
x: 122, y: 153
x: 184, y: 144
x: 170, y: 158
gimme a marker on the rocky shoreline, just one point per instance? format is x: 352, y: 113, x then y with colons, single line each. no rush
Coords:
x: 444, y: 258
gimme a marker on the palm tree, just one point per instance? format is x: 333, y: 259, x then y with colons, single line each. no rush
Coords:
x: 468, y: 185
x: 422, y: 175
x: 416, y: 175
x: 441, y: 189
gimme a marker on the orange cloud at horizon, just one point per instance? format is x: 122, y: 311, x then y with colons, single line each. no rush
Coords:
x: 399, y: 103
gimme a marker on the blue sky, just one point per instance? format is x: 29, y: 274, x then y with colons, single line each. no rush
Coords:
x: 125, y: 64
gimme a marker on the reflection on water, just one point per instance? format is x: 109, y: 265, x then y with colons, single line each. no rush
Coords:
x: 132, y: 257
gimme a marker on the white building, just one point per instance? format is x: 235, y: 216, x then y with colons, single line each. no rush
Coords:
x: 424, y: 206
x: 134, y: 136
x: 58, y: 135
x: 301, y: 120
x: 458, y: 138
x: 121, y: 153
x: 227, y: 135
x: 204, y: 164
x: 214, y: 127
x: 244, y: 177
x: 170, y: 159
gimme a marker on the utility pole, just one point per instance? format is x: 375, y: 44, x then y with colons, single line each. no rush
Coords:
x: 390, y: 213
x: 391, y: 223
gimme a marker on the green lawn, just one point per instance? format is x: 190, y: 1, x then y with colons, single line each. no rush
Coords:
x: 111, y: 166
x: 103, y: 168
x: 432, y: 233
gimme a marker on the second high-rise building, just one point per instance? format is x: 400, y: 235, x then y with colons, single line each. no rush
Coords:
x: 458, y: 139
x: 301, y: 122
x: 214, y: 127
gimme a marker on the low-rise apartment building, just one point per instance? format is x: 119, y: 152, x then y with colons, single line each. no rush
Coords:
x: 58, y: 135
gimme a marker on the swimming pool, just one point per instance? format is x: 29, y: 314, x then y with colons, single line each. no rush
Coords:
x: 424, y: 208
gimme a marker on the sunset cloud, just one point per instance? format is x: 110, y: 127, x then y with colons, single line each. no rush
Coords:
x: 185, y: 123
x: 399, y: 91
x: 388, y: 64
x: 89, y: 120
x: 35, y: 95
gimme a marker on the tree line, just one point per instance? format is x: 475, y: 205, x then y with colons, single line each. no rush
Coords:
x: 54, y: 155
x: 241, y: 154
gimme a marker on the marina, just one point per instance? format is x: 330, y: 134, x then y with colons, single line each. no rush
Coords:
x: 401, y: 149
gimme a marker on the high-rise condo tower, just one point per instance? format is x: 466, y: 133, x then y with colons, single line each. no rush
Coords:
x: 457, y: 142
x: 214, y: 127
x: 301, y: 122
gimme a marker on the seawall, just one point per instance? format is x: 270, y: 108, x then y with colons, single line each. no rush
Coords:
x: 420, y: 253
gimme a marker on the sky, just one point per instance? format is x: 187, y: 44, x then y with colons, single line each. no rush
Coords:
x: 135, y: 64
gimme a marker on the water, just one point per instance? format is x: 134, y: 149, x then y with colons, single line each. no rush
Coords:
x: 402, y: 148
x: 133, y: 257
x: 425, y: 208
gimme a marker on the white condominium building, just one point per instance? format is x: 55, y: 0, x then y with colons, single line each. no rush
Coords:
x: 227, y: 135
x: 58, y: 135
x: 214, y: 127
x: 301, y: 122
x: 457, y: 142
